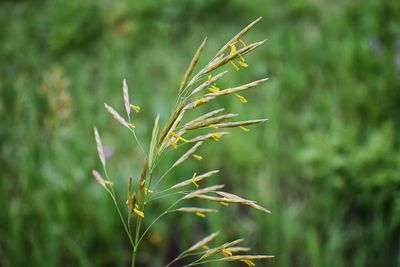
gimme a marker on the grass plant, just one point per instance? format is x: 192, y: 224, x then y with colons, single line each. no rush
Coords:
x: 185, y: 136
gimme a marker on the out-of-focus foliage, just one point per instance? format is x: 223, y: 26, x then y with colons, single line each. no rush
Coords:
x: 327, y: 163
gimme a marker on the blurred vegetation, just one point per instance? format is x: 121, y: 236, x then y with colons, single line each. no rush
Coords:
x: 327, y: 163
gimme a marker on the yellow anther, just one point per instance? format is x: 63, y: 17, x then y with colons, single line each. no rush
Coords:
x: 241, y: 98
x: 249, y: 263
x: 233, y: 48
x: 213, y: 126
x: 147, y: 191
x: 178, y: 137
x: 138, y: 212
x: 131, y: 125
x: 234, y: 65
x: 227, y: 252
x: 135, y: 108
x: 215, y: 136
x: 205, y: 247
x: 213, y: 88
x: 209, y: 77
x: 108, y: 182
x: 194, y: 181
x: 244, y: 129
x: 174, y: 144
x: 198, y: 157
x: 223, y: 203
x: 199, y: 102
x: 243, y: 64
x: 200, y: 214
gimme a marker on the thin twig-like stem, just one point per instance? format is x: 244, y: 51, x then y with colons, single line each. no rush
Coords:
x: 112, y: 194
x: 156, y: 219
x: 136, y: 139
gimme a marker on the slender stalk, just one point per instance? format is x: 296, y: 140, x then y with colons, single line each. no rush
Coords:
x: 162, y: 177
x: 122, y: 220
x: 197, y: 262
x: 136, y: 139
x: 167, y: 195
x: 112, y: 194
x: 156, y: 219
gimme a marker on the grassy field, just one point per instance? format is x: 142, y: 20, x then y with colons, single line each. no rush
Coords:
x: 326, y: 163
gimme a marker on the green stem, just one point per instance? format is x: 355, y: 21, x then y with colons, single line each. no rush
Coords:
x: 167, y: 195
x: 137, y: 140
x: 156, y: 219
x: 133, y: 258
x: 200, y: 262
x: 122, y: 220
x: 112, y: 194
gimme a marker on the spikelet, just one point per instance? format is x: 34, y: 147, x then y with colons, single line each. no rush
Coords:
x: 237, y: 37
x: 202, y: 242
x: 99, y: 145
x: 210, y: 121
x: 196, y: 179
x: 116, y: 116
x: 216, y: 135
x: 203, y: 191
x: 239, y: 123
x: 241, y: 200
x: 258, y: 207
x: 153, y: 143
x: 187, y: 154
x: 195, y: 210
x: 126, y: 97
x: 218, y: 249
x: 129, y: 198
x: 229, y: 58
x: 202, y: 118
x: 198, y: 102
x: 98, y: 178
x: 175, y: 115
x: 237, y: 88
x: 239, y: 249
x: 230, y: 196
x: 192, y: 64
x: 247, y: 257
x: 224, y: 199
x: 208, y: 82
x: 142, y: 182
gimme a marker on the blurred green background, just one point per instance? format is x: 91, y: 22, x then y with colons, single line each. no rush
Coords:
x: 327, y: 163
